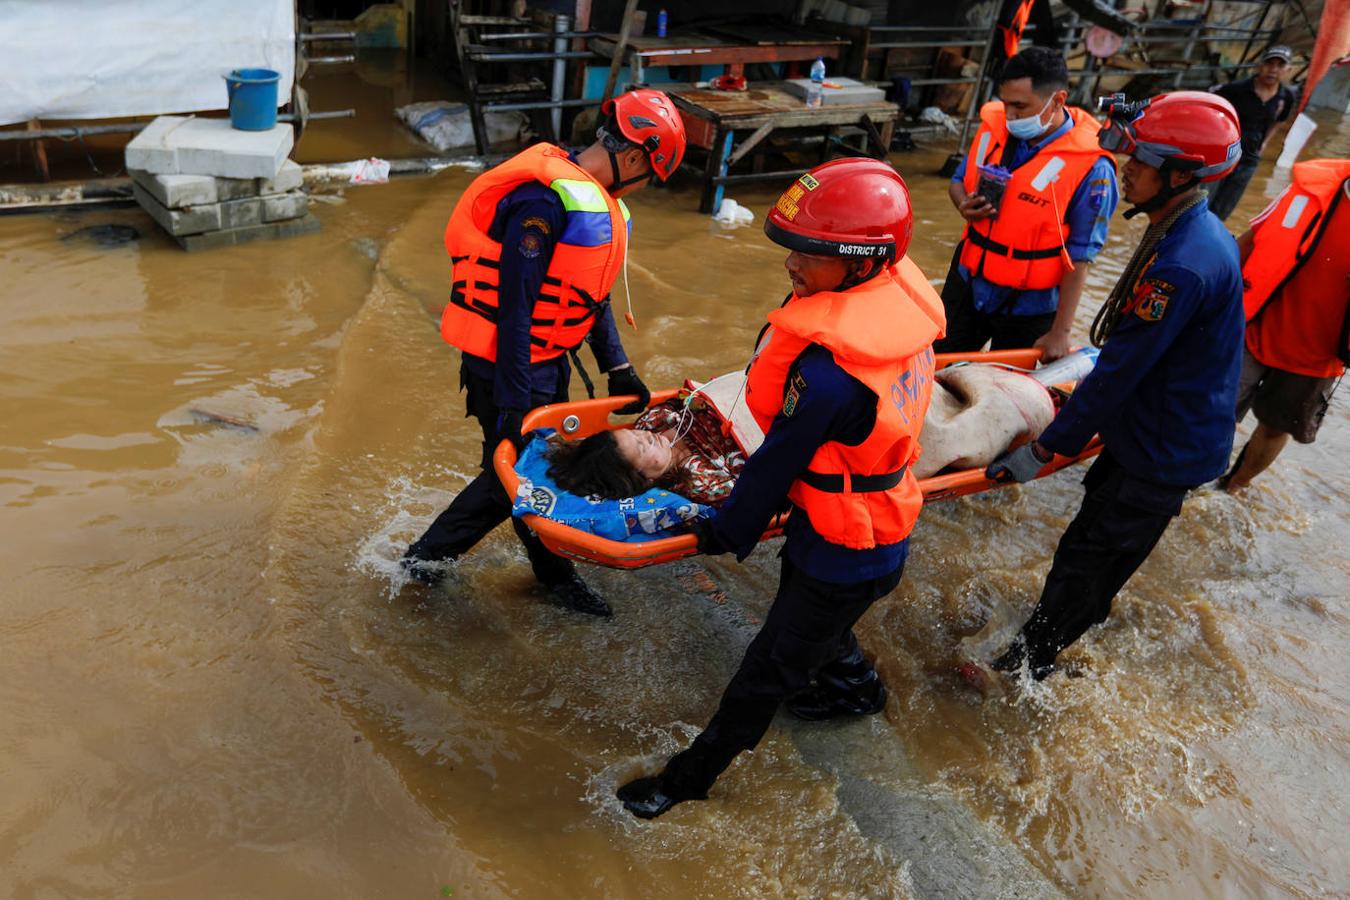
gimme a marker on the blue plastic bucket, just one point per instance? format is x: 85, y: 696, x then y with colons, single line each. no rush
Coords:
x: 253, y: 98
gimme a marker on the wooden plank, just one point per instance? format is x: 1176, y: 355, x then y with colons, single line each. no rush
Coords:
x: 727, y: 55
x: 874, y: 135
x: 749, y: 143
x: 619, y: 48
x: 711, y: 170
x: 40, y: 152
x: 763, y: 103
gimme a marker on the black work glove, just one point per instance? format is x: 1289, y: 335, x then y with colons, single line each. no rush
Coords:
x: 1020, y: 465
x: 626, y: 381
x: 509, y: 422
x: 709, y: 544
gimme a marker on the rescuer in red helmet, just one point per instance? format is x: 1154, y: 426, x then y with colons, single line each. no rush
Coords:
x: 536, y: 244
x: 839, y: 383
x: 1163, y: 391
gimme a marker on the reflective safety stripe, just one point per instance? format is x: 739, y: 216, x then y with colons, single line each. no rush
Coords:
x: 1295, y: 211
x: 579, y: 196
x: 982, y: 148
x: 1048, y: 174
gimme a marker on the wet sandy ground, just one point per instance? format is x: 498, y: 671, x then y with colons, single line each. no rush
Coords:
x: 210, y: 683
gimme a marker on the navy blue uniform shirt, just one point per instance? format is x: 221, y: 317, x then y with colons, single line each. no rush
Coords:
x: 1164, y: 389
x: 527, y: 224
x: 834, y: 406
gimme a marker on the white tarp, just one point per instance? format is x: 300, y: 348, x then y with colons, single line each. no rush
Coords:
x: 97, y: 59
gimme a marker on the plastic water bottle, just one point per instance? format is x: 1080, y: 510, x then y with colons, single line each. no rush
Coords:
x: 815, y: 91
x: 661, y: 21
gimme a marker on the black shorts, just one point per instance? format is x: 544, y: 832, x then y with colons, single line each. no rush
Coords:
x: 1284, y: 401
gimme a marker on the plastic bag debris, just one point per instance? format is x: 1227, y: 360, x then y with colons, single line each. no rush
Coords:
x: 732, y: 213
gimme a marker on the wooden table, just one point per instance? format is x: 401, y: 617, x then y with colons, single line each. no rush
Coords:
x: 712, y: 119
x: 724, y: 48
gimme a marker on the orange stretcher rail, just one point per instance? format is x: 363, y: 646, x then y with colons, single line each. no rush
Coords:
x: 582, y: 418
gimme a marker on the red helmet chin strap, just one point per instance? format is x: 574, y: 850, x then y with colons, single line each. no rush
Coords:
x: 1165, y: 193
x: 620, y: 182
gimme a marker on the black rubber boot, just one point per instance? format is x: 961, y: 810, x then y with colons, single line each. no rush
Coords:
x: 820, y: 702
x: 427, y: 571
x: 1011, y: 661
x: 576, y: 595
x: 646, y: 797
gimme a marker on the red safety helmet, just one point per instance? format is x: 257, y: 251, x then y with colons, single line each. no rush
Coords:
x: 1186, y: 131
x: 648, y: 119
x: 854, y: 207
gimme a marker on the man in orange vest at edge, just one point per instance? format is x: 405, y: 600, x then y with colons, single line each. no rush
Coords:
x: 1162, y: 391
x: 1296, y: 290
x: 839, y: 382
x: 1018, y: 273
x: 536, y: 244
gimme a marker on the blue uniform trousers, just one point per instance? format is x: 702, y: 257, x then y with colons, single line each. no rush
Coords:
x: 1120, y: 522
x: 484, y: 504
x: 808, y: 634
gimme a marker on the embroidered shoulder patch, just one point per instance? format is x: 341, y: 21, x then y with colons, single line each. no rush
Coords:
x: 530, y: 245
x: 1151, y: 297
x: 793, y: 395
x: 536, y: 223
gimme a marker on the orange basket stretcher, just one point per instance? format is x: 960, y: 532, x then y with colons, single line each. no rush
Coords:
x: 582, y: 418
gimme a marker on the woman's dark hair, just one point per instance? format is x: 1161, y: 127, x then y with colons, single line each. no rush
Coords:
x: 594, y: 467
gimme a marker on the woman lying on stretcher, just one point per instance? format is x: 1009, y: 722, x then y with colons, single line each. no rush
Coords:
x: 975, y: 415
x: 678, y: 448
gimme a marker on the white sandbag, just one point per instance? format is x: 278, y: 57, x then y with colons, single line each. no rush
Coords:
x: 445, y: 125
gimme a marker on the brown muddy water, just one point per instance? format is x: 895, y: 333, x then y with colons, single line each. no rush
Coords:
x: 212, y: 683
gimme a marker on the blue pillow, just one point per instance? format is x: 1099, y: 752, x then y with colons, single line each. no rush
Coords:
x: 654, y: 514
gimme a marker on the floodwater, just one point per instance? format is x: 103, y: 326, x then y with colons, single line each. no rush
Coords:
x: 212, y: 683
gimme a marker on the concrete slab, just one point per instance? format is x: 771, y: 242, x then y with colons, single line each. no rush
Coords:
x: 237, y: 188
x: 174, y: 145
x: 291, y: 177
x: 241, y: 213
x: 848, y: 91
x: 284, y: 206
x: 177, y: 191
x: 229, y: 237
x: 192, y: 220
x: 213, y: 147
x: 150, y: 151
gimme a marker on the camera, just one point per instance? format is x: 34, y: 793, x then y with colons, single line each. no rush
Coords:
x: 1117, y: 107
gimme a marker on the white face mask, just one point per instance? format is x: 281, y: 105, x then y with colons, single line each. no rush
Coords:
x: 1030, y: 127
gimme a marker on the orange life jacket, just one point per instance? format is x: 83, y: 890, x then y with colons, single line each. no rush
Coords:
x: 880, y: 332
x: 586, y: 257
x: 1285, y: 233
x: 1023, y: 246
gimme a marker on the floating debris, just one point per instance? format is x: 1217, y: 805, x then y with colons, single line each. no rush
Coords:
x: 105, y: 235
x: 212, y: 418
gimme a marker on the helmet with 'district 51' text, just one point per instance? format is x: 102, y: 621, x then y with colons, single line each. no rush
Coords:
x: 854, y: 207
